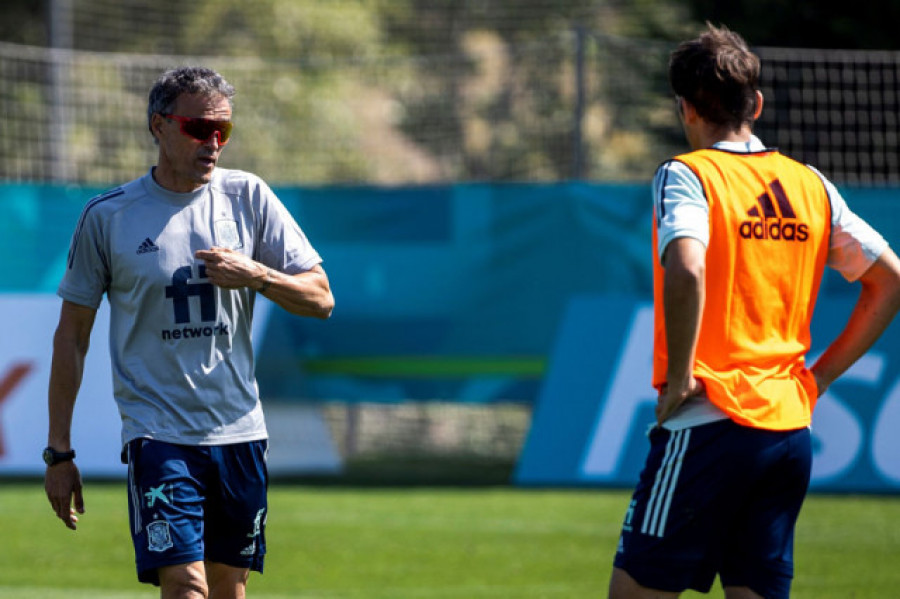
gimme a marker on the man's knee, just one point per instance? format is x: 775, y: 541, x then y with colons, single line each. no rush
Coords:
x: 183, y: 581
x: 226, y: 582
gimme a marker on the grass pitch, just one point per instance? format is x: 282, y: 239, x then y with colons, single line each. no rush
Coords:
x: 424, y: 543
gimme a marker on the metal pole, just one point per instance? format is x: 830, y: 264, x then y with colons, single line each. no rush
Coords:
x: 61, y: 40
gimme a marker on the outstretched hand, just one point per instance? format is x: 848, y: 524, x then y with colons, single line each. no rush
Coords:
x: 62, y: 484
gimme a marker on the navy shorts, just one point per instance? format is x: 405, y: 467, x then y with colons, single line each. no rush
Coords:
x: 197, y: 503
x: 717, y: 499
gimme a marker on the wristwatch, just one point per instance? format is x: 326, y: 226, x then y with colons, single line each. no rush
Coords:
x: 53, y: 457
x: 267, y: 283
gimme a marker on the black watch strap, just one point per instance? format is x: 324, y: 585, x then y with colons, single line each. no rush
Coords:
x: 53, y: 457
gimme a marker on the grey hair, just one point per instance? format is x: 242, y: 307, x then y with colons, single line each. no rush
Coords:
x: 185, y: 80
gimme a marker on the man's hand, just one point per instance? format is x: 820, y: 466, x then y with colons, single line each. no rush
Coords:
x: 230, y: 269
x: 62, y: 483
x: 671, y: 398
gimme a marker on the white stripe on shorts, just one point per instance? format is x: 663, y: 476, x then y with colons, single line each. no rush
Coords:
x: 135, y: 495
x: 657, y: 512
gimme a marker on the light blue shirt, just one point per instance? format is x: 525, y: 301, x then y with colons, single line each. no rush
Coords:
x: 182, y: 358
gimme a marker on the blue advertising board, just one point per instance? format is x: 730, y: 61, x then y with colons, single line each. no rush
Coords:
x: 492, y: 293
x: 596, y: 403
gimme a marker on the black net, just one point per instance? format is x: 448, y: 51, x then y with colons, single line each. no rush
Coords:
x: 836, y: 110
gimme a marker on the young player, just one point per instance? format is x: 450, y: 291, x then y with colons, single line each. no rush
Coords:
x: 742, y: 236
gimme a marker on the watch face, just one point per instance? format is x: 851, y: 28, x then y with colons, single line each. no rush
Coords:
x: 52, y: 457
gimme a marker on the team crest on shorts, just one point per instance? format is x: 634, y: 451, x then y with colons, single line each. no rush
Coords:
x: 158, y: 537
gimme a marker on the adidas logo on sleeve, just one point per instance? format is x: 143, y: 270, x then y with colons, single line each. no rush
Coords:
x: 147, y: 246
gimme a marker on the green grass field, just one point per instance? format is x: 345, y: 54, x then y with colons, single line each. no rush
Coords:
x: 421, y: 543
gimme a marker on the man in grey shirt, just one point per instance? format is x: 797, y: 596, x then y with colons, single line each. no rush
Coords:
x: 181, y: 254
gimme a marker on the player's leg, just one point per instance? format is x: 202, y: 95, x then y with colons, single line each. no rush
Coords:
x: 226, y: 582
x: 183, y: 581
x: 236, y: 511
x: 675, y: 522
x: 760, y: 551
x: 166, y: 491
x: 623, y: 586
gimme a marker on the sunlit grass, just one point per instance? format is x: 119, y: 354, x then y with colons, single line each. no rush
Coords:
x: 420, y: 543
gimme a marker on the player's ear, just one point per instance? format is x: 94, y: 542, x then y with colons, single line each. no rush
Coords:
x: 688, y: 112
x: 759, y: 105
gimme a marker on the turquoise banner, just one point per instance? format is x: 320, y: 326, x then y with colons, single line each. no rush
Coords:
x: 595, y: 406
x: 483, y: 293
x: 443, y: 292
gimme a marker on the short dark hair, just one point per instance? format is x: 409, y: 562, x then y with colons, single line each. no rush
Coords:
x: 190, y: 80
x: 718, y: 74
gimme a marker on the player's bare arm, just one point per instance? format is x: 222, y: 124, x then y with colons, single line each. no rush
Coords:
x: 62, y: 482
x: 878, y: 303
x: 304, y: 294
x: 683, y: 295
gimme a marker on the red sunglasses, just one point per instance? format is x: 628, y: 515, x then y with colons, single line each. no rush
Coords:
x: 203, y: 129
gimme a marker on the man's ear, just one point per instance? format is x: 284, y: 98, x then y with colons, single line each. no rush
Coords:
x: 156, y: 121
x: 759, y: 105
x: 688, y: 112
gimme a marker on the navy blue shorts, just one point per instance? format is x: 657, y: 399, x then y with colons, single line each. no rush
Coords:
x: 717, y: 499
x: 197, y: 503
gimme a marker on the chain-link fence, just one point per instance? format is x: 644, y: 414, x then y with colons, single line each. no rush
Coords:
x: 572, y: 105
x: 533, y: 112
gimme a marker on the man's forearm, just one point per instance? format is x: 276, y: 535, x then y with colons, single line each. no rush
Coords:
x: 70, y: 346
x: 878, y: 303
x: 306, y: 294
x: 683, y: 297
x: 66, y: 373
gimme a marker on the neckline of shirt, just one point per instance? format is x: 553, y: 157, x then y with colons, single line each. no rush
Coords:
x: 173, y: 197
x: 754, y: 144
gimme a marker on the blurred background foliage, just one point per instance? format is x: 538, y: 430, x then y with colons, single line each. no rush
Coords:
x: 386, y: 91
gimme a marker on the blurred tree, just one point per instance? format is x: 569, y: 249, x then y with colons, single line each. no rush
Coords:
x: 500, y: 78
x: 404, y: 91
x: 283, y: 29
x: 505, y: 79
x: 304, y: 105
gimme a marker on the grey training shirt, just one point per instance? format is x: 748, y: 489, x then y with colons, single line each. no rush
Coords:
x: 182, y: 361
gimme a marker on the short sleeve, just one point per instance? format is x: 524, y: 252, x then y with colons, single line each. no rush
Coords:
x: 680, y: 205
x: 854, y: 244
x: 283, y: 244
x: 87, y: 274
